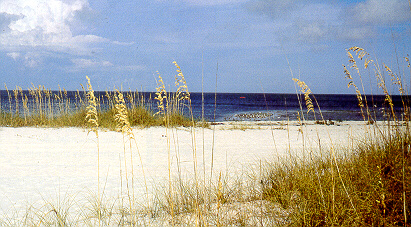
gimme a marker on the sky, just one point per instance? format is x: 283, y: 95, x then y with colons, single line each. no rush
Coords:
x: 240, y: 46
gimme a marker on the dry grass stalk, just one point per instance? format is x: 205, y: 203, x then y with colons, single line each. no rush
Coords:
x: 308, y: 102
x: 92, y: 116
x: 395, y: 79
x: 110, y: 99
x: 92, y: 121
x: 383, y: 86
x: 8, y: 94
x: 123, y: 126
x: 47, y: 99
x: 26, y: 110
x: 121, y: 115
x: 163, y: 109
x: 131, y: 99
x: 182, y: 92
x: 16, y: 100
x: 39, y: 99
x: 161, y: 97
x: 80, y: 100
x: 306, y: 91
x: 357, y: 91
x: 362, y: 55
x: 68, y: 101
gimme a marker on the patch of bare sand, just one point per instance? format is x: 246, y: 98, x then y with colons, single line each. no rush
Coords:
x: 47, y: 164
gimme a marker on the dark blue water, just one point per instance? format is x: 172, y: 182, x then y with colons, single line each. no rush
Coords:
x: 231, y: 106
x: 228, y: 106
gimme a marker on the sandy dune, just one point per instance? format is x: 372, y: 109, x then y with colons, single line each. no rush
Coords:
x: 47, y: 164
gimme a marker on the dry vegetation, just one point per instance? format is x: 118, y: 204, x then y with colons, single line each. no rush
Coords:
x: 42, y: 107
x: 370, y: 185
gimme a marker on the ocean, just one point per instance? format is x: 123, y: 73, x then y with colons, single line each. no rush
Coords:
x: 234, y: 106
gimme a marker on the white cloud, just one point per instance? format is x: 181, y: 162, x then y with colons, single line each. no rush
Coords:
x: 382, y: 11
x: 355, y: 33
x: 273, y: 8
x: 82, y: 63
x: 29, y: 59
x: 123, y: 43
x: 312, y: 31
x: 44, y: 24
x: 131, y: 68
x: 203, y: 2
x: 14, y: 55
x: 322, y: 20
x: 32, y: 61
x: 212, y: 2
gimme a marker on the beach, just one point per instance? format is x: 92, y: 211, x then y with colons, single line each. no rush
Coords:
x: 47, y: 165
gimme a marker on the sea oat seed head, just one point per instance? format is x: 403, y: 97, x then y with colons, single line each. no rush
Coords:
x: 306, y: 91
x: 91, y: 117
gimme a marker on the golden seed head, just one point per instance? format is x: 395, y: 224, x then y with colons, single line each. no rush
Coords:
x: 121, y: 115
x: 306, y: 91
x: 91, y: 116
x: 161, y: 95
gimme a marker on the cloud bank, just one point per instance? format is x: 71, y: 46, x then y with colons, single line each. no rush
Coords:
x: 319, y: 20
x: 382, y: 11
x: 41, y: 27
x: 43, y: 23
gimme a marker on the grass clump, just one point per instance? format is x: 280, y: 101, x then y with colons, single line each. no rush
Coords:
x: 56, y: 109
x: 367, y: 185
x: 377, y: 174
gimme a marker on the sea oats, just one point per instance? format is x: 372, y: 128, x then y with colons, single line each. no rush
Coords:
x: 79, y: 98
x: 121, y: 115
x: 182, y: 94
x: 91, y: 117
x: 361, y: 55
x: 123, y: 126
x: 131, y: 99
x: 16, y: 99
x: 47, y: 99
x: 360, y: 52
x: 161, y: 97
x: 306, y: 91
x: 26, y: 110
x: 351, y: 83
x: 381, y: 84
x: 92, y: 121
x: 357, y: 91
x: 352, y: 60
x: 395, y: 79
x: 9, y: 96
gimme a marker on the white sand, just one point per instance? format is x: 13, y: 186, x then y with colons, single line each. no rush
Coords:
x: 39, y: 165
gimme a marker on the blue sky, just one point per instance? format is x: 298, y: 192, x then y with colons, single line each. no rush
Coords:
x: 123, y: 43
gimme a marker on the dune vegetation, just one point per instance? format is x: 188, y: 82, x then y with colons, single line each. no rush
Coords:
x: 58, y: 109
x: 363, y: 184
